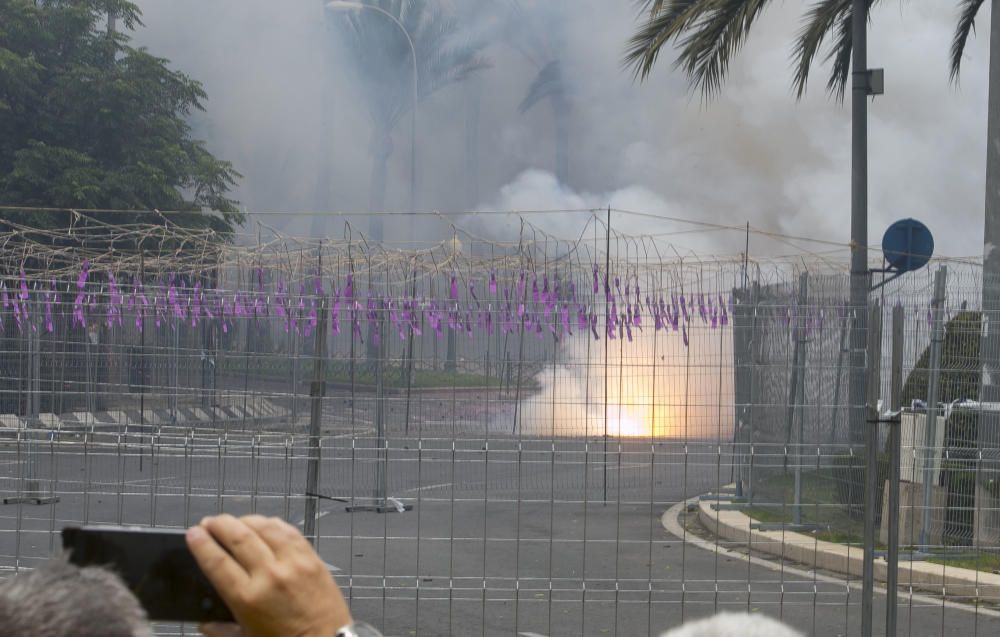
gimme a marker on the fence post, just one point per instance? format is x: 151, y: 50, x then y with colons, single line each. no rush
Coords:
x: 756, y: 340
x: 34, y: 406
x: 836, y: 387
x: 873, y: 359
x: 409, y: 353
x: 316, y: 393
x: 895, y: 403
x: 381, y: 467
x: 795, y: 389
x: 933, y: 377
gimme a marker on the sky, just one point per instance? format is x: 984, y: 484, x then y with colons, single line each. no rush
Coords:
x: 752, y: 154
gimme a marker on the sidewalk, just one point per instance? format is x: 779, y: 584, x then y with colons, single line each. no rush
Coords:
x: 732, y: 531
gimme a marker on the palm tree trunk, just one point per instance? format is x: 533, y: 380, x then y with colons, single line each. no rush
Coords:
x: 381, y: 148
x: 561, y: 111
x: 473, y: 99
x: 318, y: 227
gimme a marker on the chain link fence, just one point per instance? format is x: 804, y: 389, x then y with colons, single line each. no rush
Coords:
x: 507, y: 439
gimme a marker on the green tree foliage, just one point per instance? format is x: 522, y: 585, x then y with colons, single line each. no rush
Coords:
x: 89, y: 122
x: 960, y: 368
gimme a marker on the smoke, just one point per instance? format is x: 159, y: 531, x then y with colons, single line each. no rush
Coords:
x: 632, y: 209
x: 653, y: 386
x: 752, y: 154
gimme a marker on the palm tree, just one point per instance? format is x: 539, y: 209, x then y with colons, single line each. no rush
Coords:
x: 549, y: 84
x: 383, y: 61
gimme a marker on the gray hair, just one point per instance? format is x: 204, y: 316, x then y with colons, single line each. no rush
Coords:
x: 59, y: 599
x: 734, y: 625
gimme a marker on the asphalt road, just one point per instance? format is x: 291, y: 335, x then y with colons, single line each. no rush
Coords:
x: 508, y: 534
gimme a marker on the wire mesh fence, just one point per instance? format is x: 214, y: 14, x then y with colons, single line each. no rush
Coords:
x: 537, y: 437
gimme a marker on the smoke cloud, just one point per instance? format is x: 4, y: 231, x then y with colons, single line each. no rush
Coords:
x: 653, y: 386
x: 752, y: 154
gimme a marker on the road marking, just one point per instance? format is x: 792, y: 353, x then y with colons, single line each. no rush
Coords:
x: 147, y: 480
x: 360, y: 433
x: 428, y: 487
x: 321, y: 514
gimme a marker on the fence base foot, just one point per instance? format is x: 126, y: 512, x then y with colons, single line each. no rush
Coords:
x: 378, y: 508
x: 389, y: 505
x: 32, y: 499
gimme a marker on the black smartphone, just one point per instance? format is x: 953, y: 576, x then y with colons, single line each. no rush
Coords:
x: 155, y: 564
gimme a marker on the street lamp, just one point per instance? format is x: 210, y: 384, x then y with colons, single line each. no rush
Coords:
x: 358, y: 6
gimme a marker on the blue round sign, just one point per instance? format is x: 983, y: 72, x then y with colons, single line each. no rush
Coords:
x: 907, y: 245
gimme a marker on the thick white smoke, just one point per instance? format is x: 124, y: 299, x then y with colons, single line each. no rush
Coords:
x: 752, y: 154
x: 655, y: 386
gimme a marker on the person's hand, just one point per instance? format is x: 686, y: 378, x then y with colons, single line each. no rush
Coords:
x: 269, y: 576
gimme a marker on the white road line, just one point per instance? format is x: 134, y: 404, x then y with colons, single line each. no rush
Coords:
x: 147, y: 480
x: 321, y: 514
x: 360, y: 432
x: 429, y: 487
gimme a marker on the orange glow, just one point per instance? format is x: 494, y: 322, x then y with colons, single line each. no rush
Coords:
x: 626, y: 427
x: 644, y: 395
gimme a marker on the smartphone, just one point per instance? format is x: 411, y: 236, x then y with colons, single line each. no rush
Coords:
x: 155, y: 564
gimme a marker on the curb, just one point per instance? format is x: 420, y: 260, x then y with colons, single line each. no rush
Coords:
x: 732, y: 529
x: 113, y: 421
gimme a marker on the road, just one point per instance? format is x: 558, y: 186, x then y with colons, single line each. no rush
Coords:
x: 509, y: 533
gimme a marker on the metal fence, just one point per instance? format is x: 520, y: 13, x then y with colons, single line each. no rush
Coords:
x: 503, y: 439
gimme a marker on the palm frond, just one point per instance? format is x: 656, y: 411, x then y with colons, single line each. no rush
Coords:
x: 819, y: 21
x: 548, y: 83
x: 968, y: 9
x: 670, y: 20
x: 384, y: 62
x: 652, y: 7
x: 840, y: 54
x: 707, y: 48
x: 441, y: 59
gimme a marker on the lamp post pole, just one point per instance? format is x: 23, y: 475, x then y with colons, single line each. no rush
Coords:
x: 861, y: 431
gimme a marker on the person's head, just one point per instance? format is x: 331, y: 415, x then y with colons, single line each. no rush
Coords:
x: 59, y: 599
x: 734, y: 625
